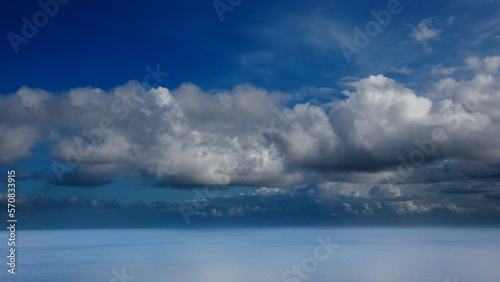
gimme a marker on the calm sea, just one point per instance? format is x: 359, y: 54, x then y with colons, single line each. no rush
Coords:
x: 273, y: 254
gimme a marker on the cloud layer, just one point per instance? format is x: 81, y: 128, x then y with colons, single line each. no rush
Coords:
x: 331, y: 203
x: 245, y: 136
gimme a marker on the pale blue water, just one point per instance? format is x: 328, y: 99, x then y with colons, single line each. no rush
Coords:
x: 362, y: 254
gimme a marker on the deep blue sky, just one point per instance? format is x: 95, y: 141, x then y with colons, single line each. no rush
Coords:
x: 263, y: 98
x: 276, y: 45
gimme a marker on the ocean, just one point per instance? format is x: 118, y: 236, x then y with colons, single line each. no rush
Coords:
x: 270, y: 254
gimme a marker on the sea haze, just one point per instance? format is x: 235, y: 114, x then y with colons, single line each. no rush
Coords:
x: 274, y: 254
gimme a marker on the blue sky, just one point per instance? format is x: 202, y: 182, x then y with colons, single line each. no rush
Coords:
x: 278, y: 45
x: 170, y: 97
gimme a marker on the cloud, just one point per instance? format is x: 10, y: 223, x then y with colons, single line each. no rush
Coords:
x: 339, y: 199
x: 79, y: 177
x: 246, y: 136
x: 488, y: 65
x: 325, y: 203
x: 439, y: 69
x: 404, y: 70
x: 384, y: 192
x: 451, y: 20
x: 16, y: 142
x: 424, y: 33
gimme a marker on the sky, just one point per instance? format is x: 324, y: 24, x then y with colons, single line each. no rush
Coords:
x: 233, y: 112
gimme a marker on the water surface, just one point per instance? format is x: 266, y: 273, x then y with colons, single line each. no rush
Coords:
x: 360, y: 254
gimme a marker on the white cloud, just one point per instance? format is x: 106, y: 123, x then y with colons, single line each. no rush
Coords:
x: 488, y: 65
x: 377, y: 113
x: 439, y: 69
x: 236, y: 211
x: 407, y: 207
x: 424, y: 32
x: 404, y: 70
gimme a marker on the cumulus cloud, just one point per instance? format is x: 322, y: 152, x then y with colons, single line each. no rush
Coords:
x: 488, y: 65
x: 245, y: 136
